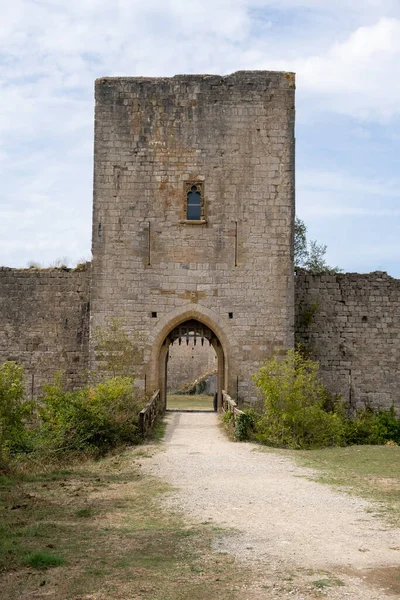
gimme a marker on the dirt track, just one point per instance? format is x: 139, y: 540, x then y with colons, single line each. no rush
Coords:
x: 281, y: 518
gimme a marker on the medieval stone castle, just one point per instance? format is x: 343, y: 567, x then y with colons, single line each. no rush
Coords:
x: 193, y: 219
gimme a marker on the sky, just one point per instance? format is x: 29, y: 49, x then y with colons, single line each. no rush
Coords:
x: 346, y: 55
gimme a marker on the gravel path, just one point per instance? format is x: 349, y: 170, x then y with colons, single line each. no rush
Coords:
x: 280, y: 516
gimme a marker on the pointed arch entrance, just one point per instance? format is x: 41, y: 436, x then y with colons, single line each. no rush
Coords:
x: 188, y: 323
x: 194, y: 331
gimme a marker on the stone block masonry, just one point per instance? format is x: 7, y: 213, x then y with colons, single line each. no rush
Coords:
x: 232, y: 270
x: 351, y: 324
x: 44, y: 317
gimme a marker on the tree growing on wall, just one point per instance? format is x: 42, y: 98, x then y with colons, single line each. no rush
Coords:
x: 309, y: 254
x: 116, y: 351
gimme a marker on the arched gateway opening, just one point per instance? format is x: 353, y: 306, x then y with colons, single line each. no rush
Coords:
x: 195, y: 332
x: 191, y: 368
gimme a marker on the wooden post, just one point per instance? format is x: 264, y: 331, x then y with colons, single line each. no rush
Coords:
x: 220, y: 380
x: 164, y: 371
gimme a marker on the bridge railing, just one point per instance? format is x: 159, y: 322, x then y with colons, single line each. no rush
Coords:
x: 229, y: 403
x: 149, y: 413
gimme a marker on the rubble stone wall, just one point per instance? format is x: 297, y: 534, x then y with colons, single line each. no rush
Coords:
x: 44, y: 316
x: 351, y: 324
x: 232, y: 137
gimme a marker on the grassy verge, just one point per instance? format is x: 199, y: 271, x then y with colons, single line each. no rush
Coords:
x: 372, y: 472
x: 98, y: 532
x: 189, y: 402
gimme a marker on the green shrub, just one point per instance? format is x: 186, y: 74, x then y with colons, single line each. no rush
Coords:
x: 299, y: 412
x: 228, y: 423
x: 95, y: 418
x: 363, y: 428
x: 14, y: 410
x: 390, y: 425
x: 369, y: 427
x: 294, y: 401
x: 227, y: 417
x: 245, y: 424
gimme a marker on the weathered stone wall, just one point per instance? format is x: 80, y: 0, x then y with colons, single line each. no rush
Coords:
x: 351, y: 324
x: 44, y: 318
x: 188, y: 362
x: 233, y: 271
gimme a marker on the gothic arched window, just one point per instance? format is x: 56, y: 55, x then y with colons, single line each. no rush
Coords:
x: 194, y: 203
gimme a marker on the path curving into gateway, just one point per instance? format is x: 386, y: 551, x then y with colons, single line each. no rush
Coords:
x: 280, y: 516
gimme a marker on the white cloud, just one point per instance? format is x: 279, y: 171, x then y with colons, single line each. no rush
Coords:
x: 360, y: 76
x: 357, y: 77
x: 326, y: 195
x: 342, y: 182
x: 329, y: 210
x: 346, y: 55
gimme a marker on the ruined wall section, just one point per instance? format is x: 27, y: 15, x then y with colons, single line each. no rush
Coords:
x: 44, y: 316
x: 235, y: 135
x: 351, y: 324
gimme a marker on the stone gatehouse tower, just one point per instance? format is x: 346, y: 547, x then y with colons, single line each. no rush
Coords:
x: 193, y: 217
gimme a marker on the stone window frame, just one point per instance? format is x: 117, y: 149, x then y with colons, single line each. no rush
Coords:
x: 187, y: 186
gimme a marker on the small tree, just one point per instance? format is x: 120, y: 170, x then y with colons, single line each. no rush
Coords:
x: 14, y: 409
x: 300, y: 242
x: 309, y: 255
x: 116, y: 350
x: 294, y: 400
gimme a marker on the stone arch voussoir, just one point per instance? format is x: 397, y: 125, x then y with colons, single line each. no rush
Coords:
x: 174, y: 318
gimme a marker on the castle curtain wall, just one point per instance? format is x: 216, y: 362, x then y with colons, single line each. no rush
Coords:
x: 351, y: 324
x: 44, y: 324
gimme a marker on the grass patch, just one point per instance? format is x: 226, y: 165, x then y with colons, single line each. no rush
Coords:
x: 190, y: 402
x: 372, y: 472
x: 43, y: 560
x: 85, y: 512
x: 321, y: 584
x: 158, y: 431
x: 132, y: 549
